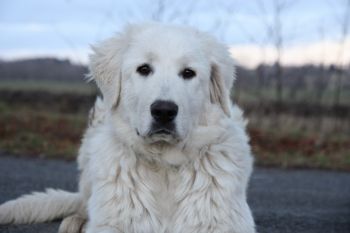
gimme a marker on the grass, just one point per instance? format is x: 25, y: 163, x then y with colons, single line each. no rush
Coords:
x: 296, y: 141
x: 48, y: 86
x: 288, y: 150
x: 41, y: 128
x: 303, y: 95
x: 25, y: 131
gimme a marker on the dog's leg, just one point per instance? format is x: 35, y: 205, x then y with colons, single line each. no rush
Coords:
x: 210, y: 207
x: 102, y: 230
x: 72, y: 224
x: 120, y: 208
x: 123, y: 200
x: 76, y: 223
x: 211, y: 197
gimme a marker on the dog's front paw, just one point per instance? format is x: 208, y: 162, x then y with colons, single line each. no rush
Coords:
x: 101, y: 230
x: 73, y: 224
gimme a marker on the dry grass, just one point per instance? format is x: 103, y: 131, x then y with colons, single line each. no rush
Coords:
x: 30, y: 132
x: 41, y: 128
x: 292, y: 141
x: 48, y: 86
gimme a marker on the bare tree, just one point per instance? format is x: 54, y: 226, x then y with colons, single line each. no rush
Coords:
x: 159, y: 11
x: 344, y: 22
x: 170, y: 11
x: 321, y: 82
x: 221, y: 25
x: 275, y: 35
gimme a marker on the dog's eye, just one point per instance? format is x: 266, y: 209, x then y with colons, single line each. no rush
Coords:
x: 188, y: 73
x: 144, y: 70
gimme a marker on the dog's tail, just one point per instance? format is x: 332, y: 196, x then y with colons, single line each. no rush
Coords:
x: 40, y: 207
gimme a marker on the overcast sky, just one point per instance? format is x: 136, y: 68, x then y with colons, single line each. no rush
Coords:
x: 65, y: 28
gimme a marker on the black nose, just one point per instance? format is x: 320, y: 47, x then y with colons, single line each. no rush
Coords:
x: 164, y: 111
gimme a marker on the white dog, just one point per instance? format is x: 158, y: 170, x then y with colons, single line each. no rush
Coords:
x: 166, y: 151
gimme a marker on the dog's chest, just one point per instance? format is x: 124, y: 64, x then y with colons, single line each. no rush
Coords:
x: 164, y: 188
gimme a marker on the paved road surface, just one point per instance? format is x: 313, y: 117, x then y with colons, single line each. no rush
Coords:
x: 294, y: 201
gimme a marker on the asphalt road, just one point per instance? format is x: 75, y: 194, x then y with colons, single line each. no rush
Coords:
x: 292, y: 201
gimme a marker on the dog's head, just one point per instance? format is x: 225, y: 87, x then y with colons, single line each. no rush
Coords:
x: 160, y: 79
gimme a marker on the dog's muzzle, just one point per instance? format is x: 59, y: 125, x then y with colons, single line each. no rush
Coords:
x: 163, y: 114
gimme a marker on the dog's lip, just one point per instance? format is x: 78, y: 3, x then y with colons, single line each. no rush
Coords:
x: 161, y: 131
x: 158, y: 132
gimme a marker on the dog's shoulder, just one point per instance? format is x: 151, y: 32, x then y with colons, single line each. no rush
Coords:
x: 94, y: 132
x: 97, y: 113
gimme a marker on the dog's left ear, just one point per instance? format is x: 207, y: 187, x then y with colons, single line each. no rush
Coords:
x: 222, y: 76
x: 105, y: 69
x: 105, y: 65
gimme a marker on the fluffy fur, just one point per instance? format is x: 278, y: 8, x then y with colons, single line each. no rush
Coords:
x: 192, y: 181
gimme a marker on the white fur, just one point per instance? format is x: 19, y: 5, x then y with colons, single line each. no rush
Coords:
x: 194, y: 181
x: 39, y: 207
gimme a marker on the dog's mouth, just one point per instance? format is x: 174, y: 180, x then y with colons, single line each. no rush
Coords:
x: 161, y: 133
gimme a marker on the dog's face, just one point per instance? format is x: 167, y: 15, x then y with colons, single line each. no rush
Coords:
x: 160, y: 78
x: 165, y: 85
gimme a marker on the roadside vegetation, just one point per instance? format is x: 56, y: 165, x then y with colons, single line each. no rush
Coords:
x: 50, y: 124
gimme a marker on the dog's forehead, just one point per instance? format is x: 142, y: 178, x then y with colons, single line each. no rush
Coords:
x: 173, y: 42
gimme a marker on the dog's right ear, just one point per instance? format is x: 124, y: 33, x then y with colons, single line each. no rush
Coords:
x: 105, y: 67
x: 222, y: 74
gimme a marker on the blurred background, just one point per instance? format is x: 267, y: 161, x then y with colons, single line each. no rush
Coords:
x: 293, y: 75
